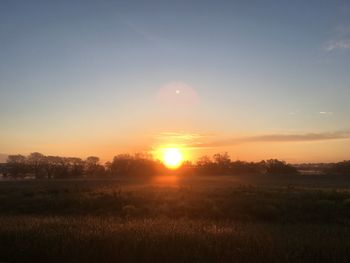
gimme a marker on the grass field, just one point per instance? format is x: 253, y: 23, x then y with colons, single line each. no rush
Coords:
x: 176, y: 219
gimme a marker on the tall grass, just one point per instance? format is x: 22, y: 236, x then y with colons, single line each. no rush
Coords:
x: 106, y: 221
x: 96, y: 239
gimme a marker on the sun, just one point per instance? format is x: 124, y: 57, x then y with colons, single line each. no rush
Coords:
x: 172, y: 158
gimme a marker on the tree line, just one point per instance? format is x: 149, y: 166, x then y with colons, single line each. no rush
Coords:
x: 37, y: 165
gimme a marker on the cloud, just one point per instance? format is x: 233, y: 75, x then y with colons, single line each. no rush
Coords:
x: 180, y: 135
x: 275, y: 138
x: 341, y: 40
x: 139, y: 29
x: 326, y: 113
x: 181, y: 138
x: 339, y: 44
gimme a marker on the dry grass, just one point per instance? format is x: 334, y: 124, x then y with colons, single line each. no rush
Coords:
x: 107, y: 221
x: 96, y: 239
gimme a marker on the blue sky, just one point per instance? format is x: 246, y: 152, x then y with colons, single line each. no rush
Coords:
x: 81, y: 77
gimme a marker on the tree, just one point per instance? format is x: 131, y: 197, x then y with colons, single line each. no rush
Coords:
x: 277, y: 167
x: 204, y: 161
x: 37, y: 162
x: 3, y: 169
x: 205, y: 165
x: 92, y: 166
x: 341, y: 168
x: 187, y: 168
x: 121, y: 164
x: 16, y: 165
x: 108, y: 168
x: 75, y: 166
x: 56, y: 167
x: 92, y: 160
x: 222, y: 161
x: 241, y: 167
x: 222, y: 158
x: 138, y: 164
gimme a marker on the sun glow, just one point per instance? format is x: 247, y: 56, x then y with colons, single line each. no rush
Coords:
x: 172, y: 158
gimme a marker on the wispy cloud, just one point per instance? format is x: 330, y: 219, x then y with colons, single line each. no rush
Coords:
x: 139, y: 29
x: 182, y: 135
x: 181, y: 138
x: 340, y: 41
x: 275, y: 138
x: 326, y: 113
x: 339, y: 44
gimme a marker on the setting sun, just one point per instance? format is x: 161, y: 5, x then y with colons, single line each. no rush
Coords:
x: 172, y: 158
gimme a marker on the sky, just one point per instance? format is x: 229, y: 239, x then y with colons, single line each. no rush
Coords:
x: 258, y: 79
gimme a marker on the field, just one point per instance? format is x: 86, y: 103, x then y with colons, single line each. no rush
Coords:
x: 176, y: 219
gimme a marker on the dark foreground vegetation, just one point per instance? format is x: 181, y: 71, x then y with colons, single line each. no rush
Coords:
x: 175, y: 219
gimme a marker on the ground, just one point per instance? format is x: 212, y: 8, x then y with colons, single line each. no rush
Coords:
x: 176, y: 219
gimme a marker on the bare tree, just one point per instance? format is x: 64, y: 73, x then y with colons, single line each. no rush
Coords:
x: 37, y: 163
x: 92, y: 166
x: 16, y: 165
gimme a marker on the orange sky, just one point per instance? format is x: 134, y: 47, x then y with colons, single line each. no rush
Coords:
x: 108, y: 77
x: 175, y: 115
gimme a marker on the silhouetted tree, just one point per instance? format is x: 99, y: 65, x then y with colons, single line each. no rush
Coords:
x: 3, y: 169
x: 37, y: 163
x: 42, y: 166
x: 55, y: 167
x: 16, y: 166
x: 108, y: 168
x: 92, y: 166
x: 187, y: 168
x: 244, y: 168
x: 222, y: 162
x: 76, y: 166
x: 204, y: 165
x: 277, y: 167
x: 138, y: 164
x: 340, y: 168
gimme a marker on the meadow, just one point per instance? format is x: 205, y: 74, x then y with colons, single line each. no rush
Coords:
x: 176, y: 219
